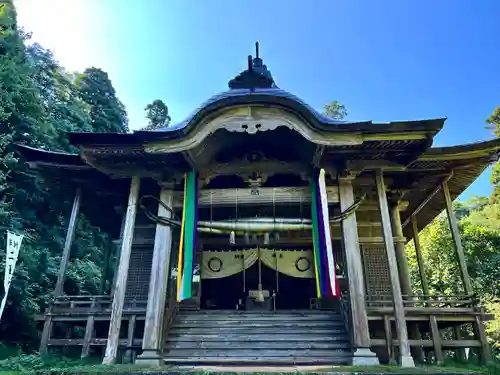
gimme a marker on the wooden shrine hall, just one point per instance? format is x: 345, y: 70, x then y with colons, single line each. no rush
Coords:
x: 298, y: 229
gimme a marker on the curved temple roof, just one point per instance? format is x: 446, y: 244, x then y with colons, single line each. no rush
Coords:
x: 255, y: 86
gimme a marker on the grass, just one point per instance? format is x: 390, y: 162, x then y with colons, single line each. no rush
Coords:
x: 35, y: 364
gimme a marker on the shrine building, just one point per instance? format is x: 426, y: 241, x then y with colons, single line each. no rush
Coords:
x: 261, y: 231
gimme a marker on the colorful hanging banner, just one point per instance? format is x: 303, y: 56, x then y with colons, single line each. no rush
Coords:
x: 324, y: 263
x: 187, y: 245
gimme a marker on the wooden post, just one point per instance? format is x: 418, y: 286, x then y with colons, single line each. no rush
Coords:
x: 404, y: 274
x: 459, y: 352
x: 402, y: 260
x: 388, y: 339
x: 436, y: 340
x: 480, y: 333
x: 122, y: 273
x: 452, y: 220
x: 151, y: 343
x: 129, y: 353
x: 406, y: 359
x: 118, y: 253
x: 89, y: 331
x: 46, y: 333
x: 361, y: 334
x: 70, y: 235
x: 420, y: 259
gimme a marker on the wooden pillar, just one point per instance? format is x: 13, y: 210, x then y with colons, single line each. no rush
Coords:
x: 436, y: 340
x: 452, y: 220
x: 459, y: 352
x: 59, y: 288
x: 89, y: 332
x: 361, y: 334
x: 70, y: 235
x: 480, y: 333
x: 118, y: 252
x: 121, y: 279
x: 151, y: 343
x: 129, y: 354
x: 404, y: 274
x: 406, y: 359
x: 400, y: 248
x: 420, y: 260
x: 46, y: 332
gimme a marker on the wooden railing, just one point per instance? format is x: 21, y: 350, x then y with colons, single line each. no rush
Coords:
x: 438, y: 312
x: 423, y: 301
x: 92, y: 305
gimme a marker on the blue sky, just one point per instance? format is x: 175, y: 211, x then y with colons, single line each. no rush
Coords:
x: 385, y: 60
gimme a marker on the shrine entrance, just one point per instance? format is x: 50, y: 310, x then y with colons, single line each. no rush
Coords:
x: 257, y: 279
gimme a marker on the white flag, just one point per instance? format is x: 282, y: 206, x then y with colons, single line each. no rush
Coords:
x: 13, y: 246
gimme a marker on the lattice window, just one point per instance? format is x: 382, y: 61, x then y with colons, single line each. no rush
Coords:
x: 139, y: 273
x: 376, y: 266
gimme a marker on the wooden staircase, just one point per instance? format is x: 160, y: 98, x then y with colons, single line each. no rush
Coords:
x: 258, y: 337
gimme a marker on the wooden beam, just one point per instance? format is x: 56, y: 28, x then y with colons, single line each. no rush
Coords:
x: 420, y: 259
x: 360, y: 330
x: 406, y: 359
x: 151, y: 343
x: 253, y: 196
x: 70, y: 235
x: 457, y: 242
x: 121, y: 280
x: 427, y: 199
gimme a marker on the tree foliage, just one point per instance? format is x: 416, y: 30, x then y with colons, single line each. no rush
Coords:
x: 39, y: 103
x: 157, y: 115
x: 107, y: 112
x: 480, y: 233
x: 335, y: 110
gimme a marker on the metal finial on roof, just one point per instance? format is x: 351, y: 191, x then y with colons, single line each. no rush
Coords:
x: 256, y: 76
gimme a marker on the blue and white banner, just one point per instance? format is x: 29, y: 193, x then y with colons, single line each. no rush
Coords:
x: 13, y: 245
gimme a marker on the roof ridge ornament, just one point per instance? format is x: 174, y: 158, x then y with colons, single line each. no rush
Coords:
x: 257, y: 76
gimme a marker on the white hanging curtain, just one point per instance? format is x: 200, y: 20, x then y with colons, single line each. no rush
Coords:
x: 219, y: 264
x: 296, y: 263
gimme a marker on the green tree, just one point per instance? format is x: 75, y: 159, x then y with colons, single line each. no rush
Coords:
x: 479, y: 226
x: 335, y: 110
x: 107, y: 112
x: 157, y: 114
x: 493, y: 123
x: 39, y: 103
